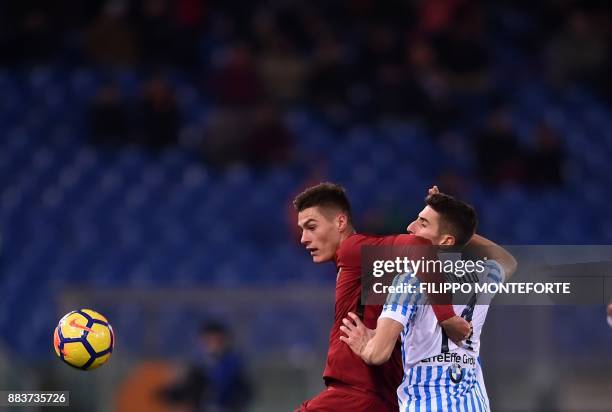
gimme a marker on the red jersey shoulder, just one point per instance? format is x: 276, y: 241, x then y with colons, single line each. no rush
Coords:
x: 415, y: 247
x: 349, y: 251
x: 410, y: 239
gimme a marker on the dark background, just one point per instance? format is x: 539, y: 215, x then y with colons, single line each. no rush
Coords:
x: 150, y: 150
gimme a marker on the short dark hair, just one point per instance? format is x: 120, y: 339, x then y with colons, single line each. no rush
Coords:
x: 456, y: 217
x: 328, y: 195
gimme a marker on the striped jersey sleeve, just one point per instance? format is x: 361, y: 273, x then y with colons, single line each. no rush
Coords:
x: 401, y: 305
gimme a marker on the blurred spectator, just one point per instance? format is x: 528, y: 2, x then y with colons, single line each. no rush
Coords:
x: 398, y: 95
x: 433, y: 95
x: 500, y: 158
x: 110, y: 39
x: 546, y: 161
x: 36, y: 39
x: 256, y: 136
x: 269, y: 140
x: 189, y: 16
x: 230, y: 389
x: 160, y: 118
x: 282, y: 70
x: 216, y: 380
x: 156, y: 35
x: 579, y: 52
x: 109, y: 117
x: 330, y: 79
x: 437, y: 16
x: 462, y: 50
x: 380, y: 47
x: 234, y: 79
x: 225, y: 137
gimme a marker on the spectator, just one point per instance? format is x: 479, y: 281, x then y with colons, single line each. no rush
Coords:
x: 462, y: 52
x: 156, y: 35
x: 546, y: 161
x: 282, y: 71
x: 431, y: 88
x: 330, y: 80
x: 500, y: 158
x: 36, y: 38
x: 234, y: 80
x: 216, y: 381
x: 109, y: 117
x: 225, y: 137
x: 269, y: 140
x: 160, y: 117
x: 579, y: 52
x: 255, y: 136
x: 189, y: 16
x: 110, y: 40
x: 437, y: 16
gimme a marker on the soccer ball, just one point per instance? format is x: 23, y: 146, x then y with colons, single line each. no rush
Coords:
x: 84, y: 339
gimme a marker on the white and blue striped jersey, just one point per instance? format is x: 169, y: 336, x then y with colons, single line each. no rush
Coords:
x: 439, y: 375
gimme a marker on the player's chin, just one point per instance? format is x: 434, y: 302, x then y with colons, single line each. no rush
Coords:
x: 320, y: 258
x: 317, y: 259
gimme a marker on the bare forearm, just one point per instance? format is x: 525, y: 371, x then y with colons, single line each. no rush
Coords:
x: 373, y: 354
x: 495, y: 252
x: 379, y: 347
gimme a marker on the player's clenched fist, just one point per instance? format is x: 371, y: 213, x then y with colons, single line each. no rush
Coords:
x: 457, y: 329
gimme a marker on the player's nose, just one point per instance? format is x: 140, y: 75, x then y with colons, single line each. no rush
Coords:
x: 304, y: 239
x: 409, y: 228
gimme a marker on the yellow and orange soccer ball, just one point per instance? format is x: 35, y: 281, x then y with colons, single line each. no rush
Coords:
x: 84, y: 339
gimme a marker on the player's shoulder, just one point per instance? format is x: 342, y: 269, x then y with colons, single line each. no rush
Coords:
x: 361, y: 239
x: 410, y: 239
x: 349, y: 251
x: 350, y: 248
x: 357, y: 240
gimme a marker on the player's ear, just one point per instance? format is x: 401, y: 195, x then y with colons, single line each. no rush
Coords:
x: 448, y: 240
x: 341, y: 222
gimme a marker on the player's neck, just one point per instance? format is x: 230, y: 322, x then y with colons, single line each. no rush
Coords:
x: 349, y: 232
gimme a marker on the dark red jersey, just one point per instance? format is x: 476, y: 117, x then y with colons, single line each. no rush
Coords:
x: 342, y: 364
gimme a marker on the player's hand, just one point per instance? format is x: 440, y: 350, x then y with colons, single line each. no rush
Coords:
x: 357, y: 334
x: 610, y: 309
x: 433, y: 190
x: 457, y: 329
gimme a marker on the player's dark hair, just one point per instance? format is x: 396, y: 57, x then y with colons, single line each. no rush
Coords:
x: 326, y: 195
x: 456, y: 217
